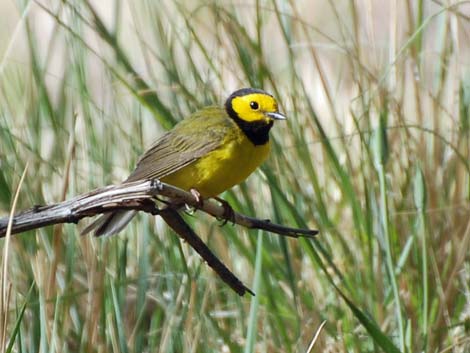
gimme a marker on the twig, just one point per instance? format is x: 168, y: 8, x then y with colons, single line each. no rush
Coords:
x: 138, y: 196
x: 177, y: 223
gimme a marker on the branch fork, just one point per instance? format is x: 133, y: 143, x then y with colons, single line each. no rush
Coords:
x: 143, y: 196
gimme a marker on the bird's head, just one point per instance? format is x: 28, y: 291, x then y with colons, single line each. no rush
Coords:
x: 253, y: 106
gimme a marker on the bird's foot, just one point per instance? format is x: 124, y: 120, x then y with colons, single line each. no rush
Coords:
x: 229, y: 213
x: 189, y: 209
x: 197, y: 196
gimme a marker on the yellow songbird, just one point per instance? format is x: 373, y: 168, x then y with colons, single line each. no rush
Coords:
x: 207, y: 153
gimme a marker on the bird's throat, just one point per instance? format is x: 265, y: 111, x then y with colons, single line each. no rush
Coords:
x: 256, y: 131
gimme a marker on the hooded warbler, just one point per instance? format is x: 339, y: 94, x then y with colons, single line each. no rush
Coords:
x: 209, y: 152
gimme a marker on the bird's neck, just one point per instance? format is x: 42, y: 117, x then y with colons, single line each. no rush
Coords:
x: 256, y: 131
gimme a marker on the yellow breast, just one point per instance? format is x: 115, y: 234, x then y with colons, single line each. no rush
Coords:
x: 221, y: 168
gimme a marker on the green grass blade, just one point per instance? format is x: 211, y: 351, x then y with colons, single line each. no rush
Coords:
x: 252, y: 330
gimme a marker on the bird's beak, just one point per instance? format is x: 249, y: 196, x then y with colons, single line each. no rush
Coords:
x: 276, y: 116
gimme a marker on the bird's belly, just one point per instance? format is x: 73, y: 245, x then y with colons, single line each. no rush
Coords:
x: 220, y: 169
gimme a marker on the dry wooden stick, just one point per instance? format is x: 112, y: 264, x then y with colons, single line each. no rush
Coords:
x: 142, y: 196
x: 177, y: 223
x: 138, y: 196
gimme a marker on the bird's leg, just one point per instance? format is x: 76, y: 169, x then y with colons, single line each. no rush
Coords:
x: 199, y: 200
x: 229, y: 213
x: 197, y: 196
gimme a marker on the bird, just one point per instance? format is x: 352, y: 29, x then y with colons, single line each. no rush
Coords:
x: 212, y: 150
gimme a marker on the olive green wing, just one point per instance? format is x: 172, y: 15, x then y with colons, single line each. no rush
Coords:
x: 188, y: 141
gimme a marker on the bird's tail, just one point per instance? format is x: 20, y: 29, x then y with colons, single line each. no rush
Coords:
x: 110, y: 223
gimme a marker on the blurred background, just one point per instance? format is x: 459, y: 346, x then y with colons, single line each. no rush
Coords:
x: 375, y: 155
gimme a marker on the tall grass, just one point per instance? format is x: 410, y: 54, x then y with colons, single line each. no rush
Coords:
x: 375, y: 154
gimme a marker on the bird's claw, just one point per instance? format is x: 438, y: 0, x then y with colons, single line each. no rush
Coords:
x: 190, y: 209
x: 197, y: 196
x: 229, y: 213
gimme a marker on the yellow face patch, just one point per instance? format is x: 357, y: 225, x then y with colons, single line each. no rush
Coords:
x: 252, y: 107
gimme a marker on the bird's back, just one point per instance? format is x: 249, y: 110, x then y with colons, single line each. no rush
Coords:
x: 207, y: 152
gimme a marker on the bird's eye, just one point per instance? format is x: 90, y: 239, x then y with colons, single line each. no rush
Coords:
x: 254, y: 105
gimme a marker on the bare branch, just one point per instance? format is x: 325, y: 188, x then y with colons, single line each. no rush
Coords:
x: 140, y: 196
x: 177, y: 223
x: 144, y: 196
